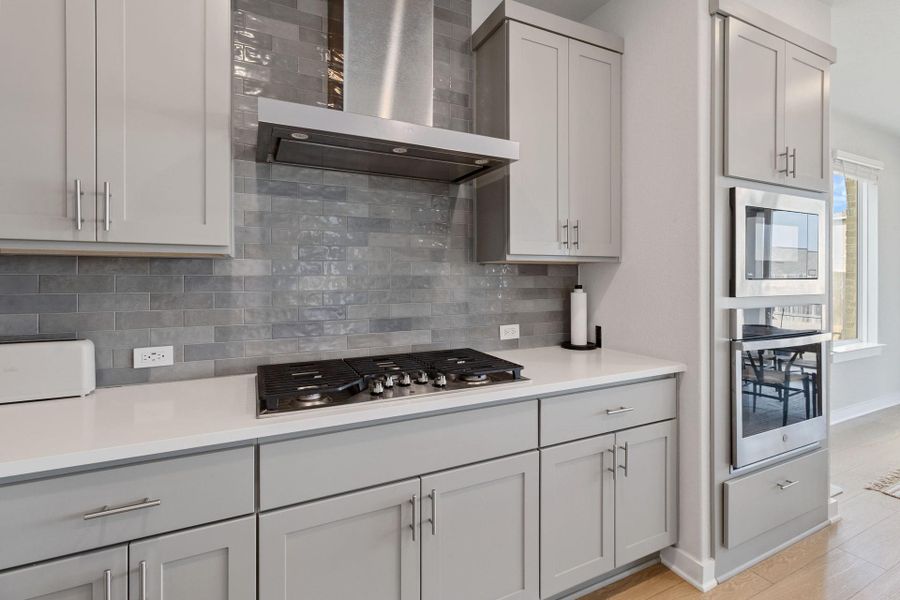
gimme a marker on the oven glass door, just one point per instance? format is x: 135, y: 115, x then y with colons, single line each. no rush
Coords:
x: 780, y: 244
x: 779, y: 396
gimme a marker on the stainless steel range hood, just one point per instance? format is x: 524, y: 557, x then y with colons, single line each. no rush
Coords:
x: 324, y: 138
x: 386, y: 62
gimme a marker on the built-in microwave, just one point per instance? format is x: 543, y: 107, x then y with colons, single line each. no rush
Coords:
x: 780, y: 244
x: 779, y: 358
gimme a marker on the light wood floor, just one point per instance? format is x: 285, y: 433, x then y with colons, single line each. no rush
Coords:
x: 858, y: 557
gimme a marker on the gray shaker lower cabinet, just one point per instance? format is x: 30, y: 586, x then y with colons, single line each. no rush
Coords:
x: 480, y: 531
x: 577, y: 513
x: 99, y: 575
x: 215, y: 562
x: 646, y: 509
x: 359, y: 545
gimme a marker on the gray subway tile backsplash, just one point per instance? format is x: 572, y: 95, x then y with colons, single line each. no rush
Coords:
x: 327, y: 264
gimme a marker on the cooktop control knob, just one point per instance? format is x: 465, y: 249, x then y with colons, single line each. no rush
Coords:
x: 377, y: 387
x: 405, y: 380
x: 422, y: 377
x: 440, y: 380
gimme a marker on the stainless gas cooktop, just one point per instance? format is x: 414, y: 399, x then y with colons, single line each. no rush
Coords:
x: 302, y: 386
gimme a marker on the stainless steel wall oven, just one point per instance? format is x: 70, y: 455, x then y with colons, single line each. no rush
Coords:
x: 778, y: 381
x: 780, y: 244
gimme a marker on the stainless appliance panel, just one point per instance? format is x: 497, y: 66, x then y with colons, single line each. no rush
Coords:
x: 780, y: 244
x: 779, y: 395
x: 389, y: 59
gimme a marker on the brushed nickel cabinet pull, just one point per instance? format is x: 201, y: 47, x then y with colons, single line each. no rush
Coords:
x: 794, y: 158
x: 106, y: 195
x: 566, y: 231
x: 787, y: 483
x: 433, y: 519
x: 107, y: 511
x: 787, y: 161
x: 620, y: 410
x: 625, y: 466
x: 107, y: 575
x: 577, y: 232
x: 415, y: 515
x: 613, y: 469
x: 79, y: 221
x: 143, y: 568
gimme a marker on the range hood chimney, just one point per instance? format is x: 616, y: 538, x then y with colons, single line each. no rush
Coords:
x: 387, y: 99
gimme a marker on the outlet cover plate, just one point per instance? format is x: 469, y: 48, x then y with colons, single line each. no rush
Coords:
x: 154, y: 356
x: 509, y: 332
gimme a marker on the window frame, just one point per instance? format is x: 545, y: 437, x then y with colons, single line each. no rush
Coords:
x: 865, y: 171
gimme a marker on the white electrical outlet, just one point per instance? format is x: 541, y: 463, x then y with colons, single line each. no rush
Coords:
x: 157, y: 356
x: 509, y: 332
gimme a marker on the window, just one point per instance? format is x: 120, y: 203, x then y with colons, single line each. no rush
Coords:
x: 855, y: 256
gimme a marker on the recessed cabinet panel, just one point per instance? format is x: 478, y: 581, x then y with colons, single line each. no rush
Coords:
x: 163, y: 129
x: 538, y: 120
x: 216, y: 562
x: 806, y: 118
x: 754, y: 95
x: 577, y: 513
x: 90, y: 576
x: 645, y: 490
x: 360, y: 545
x: 480, y: 531
x: 47, y: 120
x: 595, y: 150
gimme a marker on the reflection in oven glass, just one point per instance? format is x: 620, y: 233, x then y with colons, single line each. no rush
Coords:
x: 780, y: 387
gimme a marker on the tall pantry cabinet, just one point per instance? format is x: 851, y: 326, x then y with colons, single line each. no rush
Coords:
x: 554, y: 86
x: 112, y: 142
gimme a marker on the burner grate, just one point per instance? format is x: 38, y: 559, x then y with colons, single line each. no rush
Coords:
x: 464, y: 361
x: 277, y: 383
x: 372, y: 366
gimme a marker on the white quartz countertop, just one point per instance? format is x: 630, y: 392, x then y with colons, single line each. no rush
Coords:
x: 132, y: 422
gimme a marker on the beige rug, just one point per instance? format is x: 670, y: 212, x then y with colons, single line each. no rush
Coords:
x: 889, y: 484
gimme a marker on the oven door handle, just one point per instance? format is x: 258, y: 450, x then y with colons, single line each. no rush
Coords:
x: 787, y: 342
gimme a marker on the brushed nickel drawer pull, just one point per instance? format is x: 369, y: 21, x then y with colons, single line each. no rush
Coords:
x: 788, y: 483
x: 620, y: 410
x: 106, y: 511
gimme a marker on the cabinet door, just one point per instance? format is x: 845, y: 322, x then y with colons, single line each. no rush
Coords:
x: 595, y: 154
x: 806, y: 119
x: 163, y: 150
x: 645, y: 490
x: 360, y: 545
x: 539, y: 121
x: 480, y: 531
x: 216, y: 562
x: 577, y: 513
x: 754, y: 104
x: 90, y: 576
x: 47, y: 119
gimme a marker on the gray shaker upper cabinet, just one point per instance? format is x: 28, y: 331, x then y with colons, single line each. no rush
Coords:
x: 554, y: 86
x: 47, y: 120
x: 776, y: 110
x: 142, y: 134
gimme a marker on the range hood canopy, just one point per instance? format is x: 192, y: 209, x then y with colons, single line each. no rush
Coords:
x: 324, y: 138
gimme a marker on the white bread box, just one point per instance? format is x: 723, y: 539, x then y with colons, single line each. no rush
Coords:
x: 45, y: 370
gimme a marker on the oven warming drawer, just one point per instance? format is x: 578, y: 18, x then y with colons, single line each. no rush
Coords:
x: 761, y: 501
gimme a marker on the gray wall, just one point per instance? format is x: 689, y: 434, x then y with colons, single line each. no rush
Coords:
x: 875, y: 378
x: 327, y: 264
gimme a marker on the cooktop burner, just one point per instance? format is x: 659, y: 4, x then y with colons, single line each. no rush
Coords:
x: 301, y: 386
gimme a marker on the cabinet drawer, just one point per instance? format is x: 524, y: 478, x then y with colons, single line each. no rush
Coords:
x: 759, y: 502
x: 295, y: 471
x: 600, y: 411
x: 63, y: 515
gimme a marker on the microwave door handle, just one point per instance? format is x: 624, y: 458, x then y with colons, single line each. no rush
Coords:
x: 788, y: 342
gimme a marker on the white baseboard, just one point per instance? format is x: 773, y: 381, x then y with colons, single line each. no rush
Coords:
x: 834, y: 510
x: 866, y: 407
x: 700, y: 574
